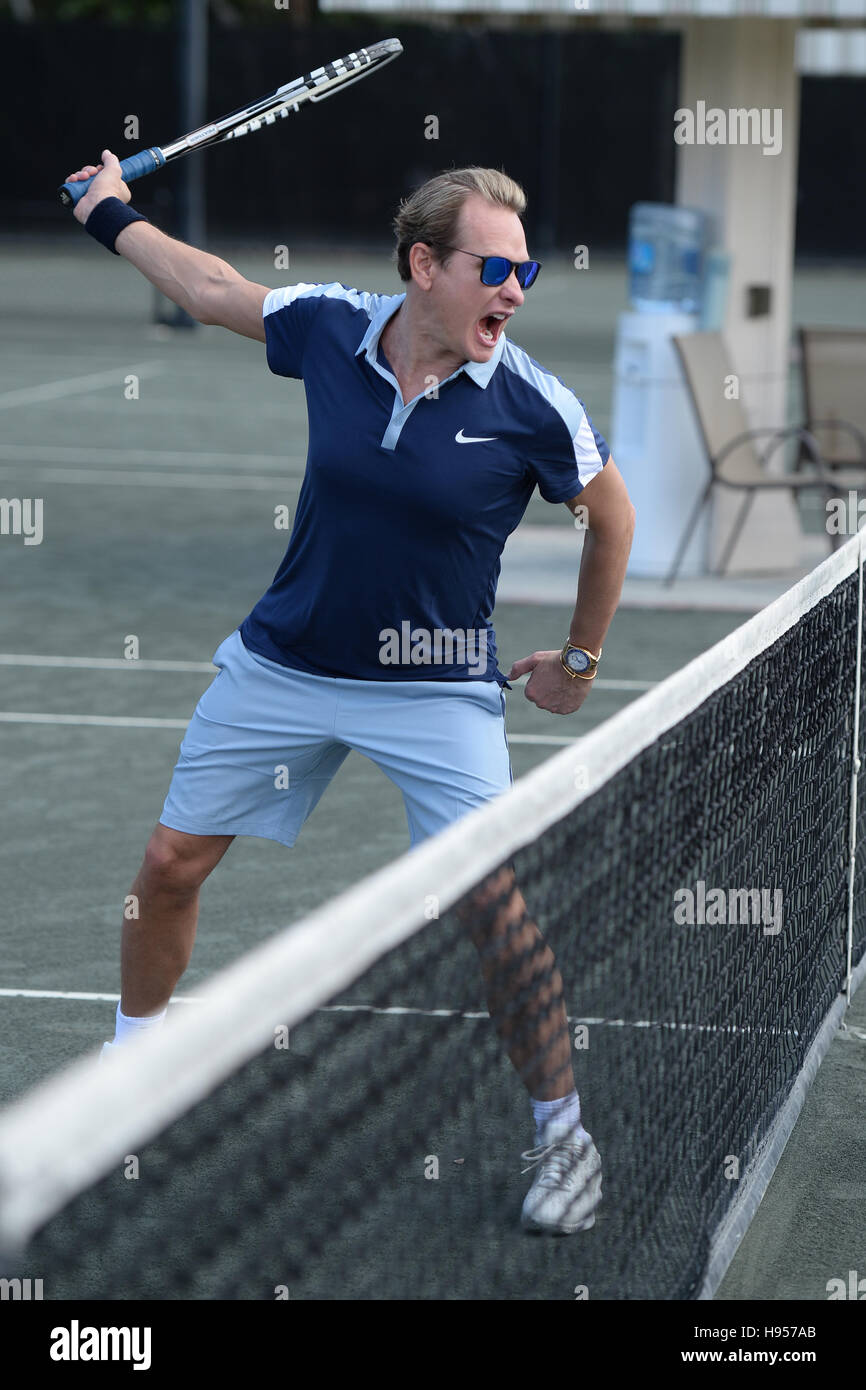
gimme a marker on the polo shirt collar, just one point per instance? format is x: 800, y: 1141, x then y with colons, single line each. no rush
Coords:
x: 480, y: 372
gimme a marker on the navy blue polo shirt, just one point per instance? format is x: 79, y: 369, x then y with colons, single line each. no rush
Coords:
x: 394, y: 556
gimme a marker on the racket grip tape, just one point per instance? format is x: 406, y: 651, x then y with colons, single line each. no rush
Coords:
x: 145, y: 162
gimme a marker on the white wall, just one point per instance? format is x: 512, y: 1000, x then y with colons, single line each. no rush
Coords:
x: 749, y: 63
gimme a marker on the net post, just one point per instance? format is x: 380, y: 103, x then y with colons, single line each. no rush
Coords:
x: 550, y: 127
x: 189, y: 208
x: 855, y: 770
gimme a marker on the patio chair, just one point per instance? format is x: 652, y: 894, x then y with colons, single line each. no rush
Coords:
x: 833, y: 365
x: 733, y: 456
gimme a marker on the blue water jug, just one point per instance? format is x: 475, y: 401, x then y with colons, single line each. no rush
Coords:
x: 666, y: 258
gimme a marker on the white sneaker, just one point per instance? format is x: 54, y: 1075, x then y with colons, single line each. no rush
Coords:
x: 107, y: 1053
x: 566, y: 1188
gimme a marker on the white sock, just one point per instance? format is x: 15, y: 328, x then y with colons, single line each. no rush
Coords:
x: 565, y: 1112
x: 126, y: 1028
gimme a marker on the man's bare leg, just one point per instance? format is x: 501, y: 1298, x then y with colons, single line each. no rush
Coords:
x: 523, y: 985
x: 156, y: 947
x: 525, y: 997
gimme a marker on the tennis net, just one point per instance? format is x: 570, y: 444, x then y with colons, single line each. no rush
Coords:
x: 339, y: 1118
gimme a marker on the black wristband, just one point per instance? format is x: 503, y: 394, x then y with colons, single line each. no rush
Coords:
x: 108, y: 220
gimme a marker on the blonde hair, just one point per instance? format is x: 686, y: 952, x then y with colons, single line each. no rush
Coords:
x: 431, y: 213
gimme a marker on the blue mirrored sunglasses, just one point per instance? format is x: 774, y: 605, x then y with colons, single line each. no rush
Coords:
x: 495, y: 270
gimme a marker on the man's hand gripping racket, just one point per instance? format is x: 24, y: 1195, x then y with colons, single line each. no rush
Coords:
x: 110, y: 185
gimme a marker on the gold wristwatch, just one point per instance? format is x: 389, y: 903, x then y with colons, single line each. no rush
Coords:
x: 579, y: 662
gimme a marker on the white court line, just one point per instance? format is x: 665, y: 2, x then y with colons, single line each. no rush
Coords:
x: 103, y: 663
x: 602, y: 683
x: 110, y: 721
x: 671, y: 1026
x: 110, y: 663
x: 555, y: 740
x: 100, y: 477
x: 88, y: 997
x: 107, y: 721
x: 72, y: 453
x: 401, y: 1011
x: 77, y: 385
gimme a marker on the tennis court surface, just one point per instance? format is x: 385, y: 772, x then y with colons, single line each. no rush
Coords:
x: 377, y: 1155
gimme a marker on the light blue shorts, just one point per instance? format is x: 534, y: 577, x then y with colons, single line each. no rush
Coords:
x: 266, y: 740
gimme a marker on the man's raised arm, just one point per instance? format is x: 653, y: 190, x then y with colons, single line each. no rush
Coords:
x: 209, y: 289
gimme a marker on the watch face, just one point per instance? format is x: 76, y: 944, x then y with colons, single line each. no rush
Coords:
x: 577, y: 661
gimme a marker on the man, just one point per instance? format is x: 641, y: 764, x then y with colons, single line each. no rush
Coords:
x: 429, y: 431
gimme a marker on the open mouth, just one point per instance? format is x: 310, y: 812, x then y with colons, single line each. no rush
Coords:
x: 490, y: 327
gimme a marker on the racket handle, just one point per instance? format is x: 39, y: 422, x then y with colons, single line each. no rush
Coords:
x: 145, y: 162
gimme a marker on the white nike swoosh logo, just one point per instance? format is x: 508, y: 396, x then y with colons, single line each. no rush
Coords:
x: 469, y: 439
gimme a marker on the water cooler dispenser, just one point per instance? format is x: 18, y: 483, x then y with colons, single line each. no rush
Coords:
x: 654, y: 434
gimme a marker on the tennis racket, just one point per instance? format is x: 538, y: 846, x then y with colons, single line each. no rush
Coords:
x: 318, y: 85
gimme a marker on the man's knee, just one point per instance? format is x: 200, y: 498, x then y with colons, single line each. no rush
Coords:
x: 178, y: 863
x: 494, y: 909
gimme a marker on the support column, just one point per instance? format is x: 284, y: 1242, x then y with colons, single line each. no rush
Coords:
x: 749, y: 64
